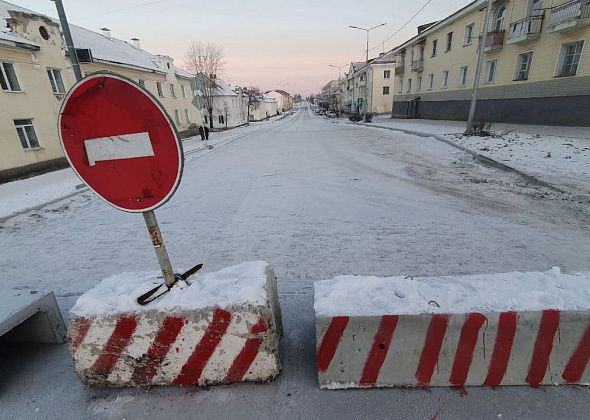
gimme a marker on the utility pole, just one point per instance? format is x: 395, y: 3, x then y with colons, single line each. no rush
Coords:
x: 65, y: 27
x: 366, y: 99
x: 469, y: 129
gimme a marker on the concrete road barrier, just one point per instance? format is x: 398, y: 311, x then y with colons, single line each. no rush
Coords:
x: 223, y: 328
x: 485, y: 330
x: 31, y: 316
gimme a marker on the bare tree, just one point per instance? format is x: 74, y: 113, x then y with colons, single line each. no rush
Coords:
x: 254, y: 97
x: 205, y: 60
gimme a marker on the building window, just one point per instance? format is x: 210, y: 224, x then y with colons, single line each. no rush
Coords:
x: 449, y: 43
x: 469, y: 34
x: 463, y: 76
x: 8, y: 79
x: 523, y: 66
x: 176, y: 116
x: 159, y: 87
x: 172, y: 90
x: 490, y: 75
x: 434, y: 45
x: 569, y: 59
x: 445, y: 79
x: 499, y: 18
x: 141, y: 83
x: 221, y: 119
x: 362, y: 77
x: 183, y: 91
x: 26, y: 133
x: 386, y: 74
x: 57, y: 84
x: 418, y: 83
x: 186, y: 115
x: 401, y: 85
x: 430, y: 81
x: 386, y: 90
x: 409, y: 85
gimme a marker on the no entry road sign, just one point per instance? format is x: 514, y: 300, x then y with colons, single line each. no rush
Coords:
x: 120, y: 142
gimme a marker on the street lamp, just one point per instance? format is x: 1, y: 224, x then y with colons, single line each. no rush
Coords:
x: 338, y: 93
x: 367, y: 30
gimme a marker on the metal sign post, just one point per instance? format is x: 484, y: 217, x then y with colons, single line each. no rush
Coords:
x: 134, y: 164
x: 65, y: 27
x: 159, y: 247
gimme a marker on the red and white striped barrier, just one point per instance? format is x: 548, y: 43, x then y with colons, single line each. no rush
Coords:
x: 165, y: 344
x: 533, y: 348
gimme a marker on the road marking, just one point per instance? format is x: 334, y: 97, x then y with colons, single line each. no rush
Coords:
x: 124, y: 146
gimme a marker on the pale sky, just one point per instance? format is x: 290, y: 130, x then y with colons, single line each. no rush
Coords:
x: 269, y: 44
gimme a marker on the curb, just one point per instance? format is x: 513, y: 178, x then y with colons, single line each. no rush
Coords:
x: 485, y: 160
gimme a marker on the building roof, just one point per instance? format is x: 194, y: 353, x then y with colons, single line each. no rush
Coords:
x: 388, y: 57
x: 476, y: 4
x: 5, y: 34
x: 224, y: 89
x: 111, y: 50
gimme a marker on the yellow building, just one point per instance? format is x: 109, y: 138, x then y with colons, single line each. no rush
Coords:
x: 535, y: 69
x: 373, y: 81
x: 35, y: 74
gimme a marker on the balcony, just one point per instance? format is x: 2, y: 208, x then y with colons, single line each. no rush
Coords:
x: 569, y: 16
x: 417, y: 65
x: 494, y: 41
x: 399, y: 67
x: 525, y: 30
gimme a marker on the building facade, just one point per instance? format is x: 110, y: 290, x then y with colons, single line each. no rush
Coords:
x: 284, y: 99
x: 535, y: 67
x: 35, y: 75
x: 265, y: 108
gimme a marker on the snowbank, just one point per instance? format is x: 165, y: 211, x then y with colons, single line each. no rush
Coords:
x: 242, y: 284
x: 375, y: 296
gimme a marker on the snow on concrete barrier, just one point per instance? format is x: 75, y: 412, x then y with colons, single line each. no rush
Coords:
x: 477, y: 330
x: 223, y: 328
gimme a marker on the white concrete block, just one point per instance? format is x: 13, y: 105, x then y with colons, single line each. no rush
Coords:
x: 224, y: 327
x: 482, y: 330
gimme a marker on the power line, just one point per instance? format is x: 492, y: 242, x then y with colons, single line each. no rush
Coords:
x: 403, y: 26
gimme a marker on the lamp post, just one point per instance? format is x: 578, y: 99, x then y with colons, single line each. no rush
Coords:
x: 482, y: 44
x: 339, y: 92
x: 367, y: 30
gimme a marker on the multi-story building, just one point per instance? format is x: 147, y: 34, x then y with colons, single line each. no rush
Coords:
x: 35, y: 75
x: 535, y: 67
x: 373, y: 82
x: 284, y: 99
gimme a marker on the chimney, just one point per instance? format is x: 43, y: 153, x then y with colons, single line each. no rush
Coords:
x: 106, y: 32
x: 135, y: 43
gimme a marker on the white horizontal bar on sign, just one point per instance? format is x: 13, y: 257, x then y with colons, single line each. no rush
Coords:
x: 124, y: 146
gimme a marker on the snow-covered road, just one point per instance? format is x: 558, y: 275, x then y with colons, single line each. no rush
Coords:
x: 315, y: 199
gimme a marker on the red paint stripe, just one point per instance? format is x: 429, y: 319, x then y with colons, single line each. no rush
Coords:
x: 244, y: 359
x: 330, y: 341
x: 502, y: 348
x: 578, y: 361
x: 115, y: 345
x: 192, y: 369
x: 83, y: 325
x: 431, y: 349
x: 465, y: 348
x: 543, y: 347
x: 379, y: 350
x: 152, y: 359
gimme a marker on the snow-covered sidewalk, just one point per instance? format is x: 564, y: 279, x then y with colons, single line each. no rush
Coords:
x: 557, y: 155
x: 27, y: 194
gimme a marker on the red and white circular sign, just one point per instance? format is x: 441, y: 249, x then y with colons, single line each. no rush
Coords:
x: 121, y: 142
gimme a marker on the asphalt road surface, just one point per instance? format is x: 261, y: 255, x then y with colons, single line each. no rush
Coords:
x: 315, y: 198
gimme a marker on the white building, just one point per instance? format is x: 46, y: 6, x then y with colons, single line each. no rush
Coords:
x: 265, y: 108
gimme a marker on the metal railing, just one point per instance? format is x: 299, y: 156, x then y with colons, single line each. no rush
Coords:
x: 575, y: 9
x: 417, y: 65
x: 531, y: 25
x: 400, y: 66
x: 494, y: 39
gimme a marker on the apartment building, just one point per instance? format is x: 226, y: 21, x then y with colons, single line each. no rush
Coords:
x: 536, y: 68
x: 35, y: 75
x: 373, y: 81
